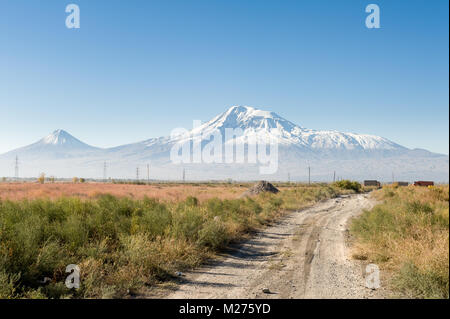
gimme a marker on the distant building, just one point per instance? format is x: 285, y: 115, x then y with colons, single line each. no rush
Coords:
x: 402, y: 183
x: 372, y: 183
x: 423, y: 183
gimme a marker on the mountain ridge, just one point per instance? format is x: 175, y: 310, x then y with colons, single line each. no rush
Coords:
x: 250, y: 119
x: 358, y: 155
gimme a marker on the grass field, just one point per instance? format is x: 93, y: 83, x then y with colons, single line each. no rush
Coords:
x: 407, y: 234
x: 164, y: 192
x: 125, y: 237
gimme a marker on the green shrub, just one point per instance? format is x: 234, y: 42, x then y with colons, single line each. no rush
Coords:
x: 8, y: 284
x: 154, y: 219
x: 416, y: 283
x: 191, y: 201
x: 346, y: 184
x: 213, y: 234
x: 417, y: 207
x: 187, y: 223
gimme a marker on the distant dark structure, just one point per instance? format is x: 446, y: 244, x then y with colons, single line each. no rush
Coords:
x: 260, y: 187
x: 402, y: 183
x: 372, y: 183
x: 423, y: 183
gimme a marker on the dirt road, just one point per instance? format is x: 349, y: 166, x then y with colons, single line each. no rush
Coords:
x: 305, y: 255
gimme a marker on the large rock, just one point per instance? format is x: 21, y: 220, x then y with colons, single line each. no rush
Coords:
x: 260, y: 187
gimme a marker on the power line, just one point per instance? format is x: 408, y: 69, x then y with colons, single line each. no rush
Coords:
x: 104, y: 172
x: 16, y: 168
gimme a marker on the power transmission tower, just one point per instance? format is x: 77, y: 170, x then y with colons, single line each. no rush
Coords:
x: 334, y: 176
x: 104, y: 172
x: 16, y: 168
x: 148, y: 173
x: 289, y: 178
x: 137, y: 174
x: 309, y: 174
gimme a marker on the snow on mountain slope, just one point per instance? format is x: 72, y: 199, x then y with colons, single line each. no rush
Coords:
x: 258, y: 124
x: 58, y: 144
x: 61, y: 137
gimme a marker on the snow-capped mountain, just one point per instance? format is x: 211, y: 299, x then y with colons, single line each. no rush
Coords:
x: 58, y: 144
x: 256, y: 122
x: 62, y: 138
x: 356, y: 156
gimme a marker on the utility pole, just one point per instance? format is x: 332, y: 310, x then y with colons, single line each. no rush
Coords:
x: 16, y: 168
x: 137, y: 174
x: 309, y: 174
x: 334, y: 176
x: 104, y: 172
x: 148, y: 173
x: 289, y: 178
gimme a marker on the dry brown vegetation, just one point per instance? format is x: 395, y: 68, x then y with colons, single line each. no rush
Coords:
x: 408, y: 235
x: 164, y: 192
x: 133, y: 237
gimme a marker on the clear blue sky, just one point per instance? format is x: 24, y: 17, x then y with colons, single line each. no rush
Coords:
x: 138, y: 69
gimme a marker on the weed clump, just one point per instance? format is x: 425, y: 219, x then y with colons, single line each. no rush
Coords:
x: 350, y: 185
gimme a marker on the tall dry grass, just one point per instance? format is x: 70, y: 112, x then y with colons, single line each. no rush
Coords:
x: 123, y: 244
x: 164, y: 192
x: 408, y: 235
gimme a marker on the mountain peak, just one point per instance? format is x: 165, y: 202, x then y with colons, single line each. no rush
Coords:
x: 250, y: 111
x: 252, y: 120
x: 59, y: 137
x: 62, y: 139
x: 248, y: 117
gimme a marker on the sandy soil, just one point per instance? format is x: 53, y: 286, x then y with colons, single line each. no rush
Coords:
x: 305, y: 255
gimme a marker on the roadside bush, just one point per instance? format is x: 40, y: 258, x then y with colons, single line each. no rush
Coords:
x: 213, y: 234
x: 154, y: 219
x: 8, y: 285
x: 41, y: 178
x: 187, y: 223
x: 346, y: 184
